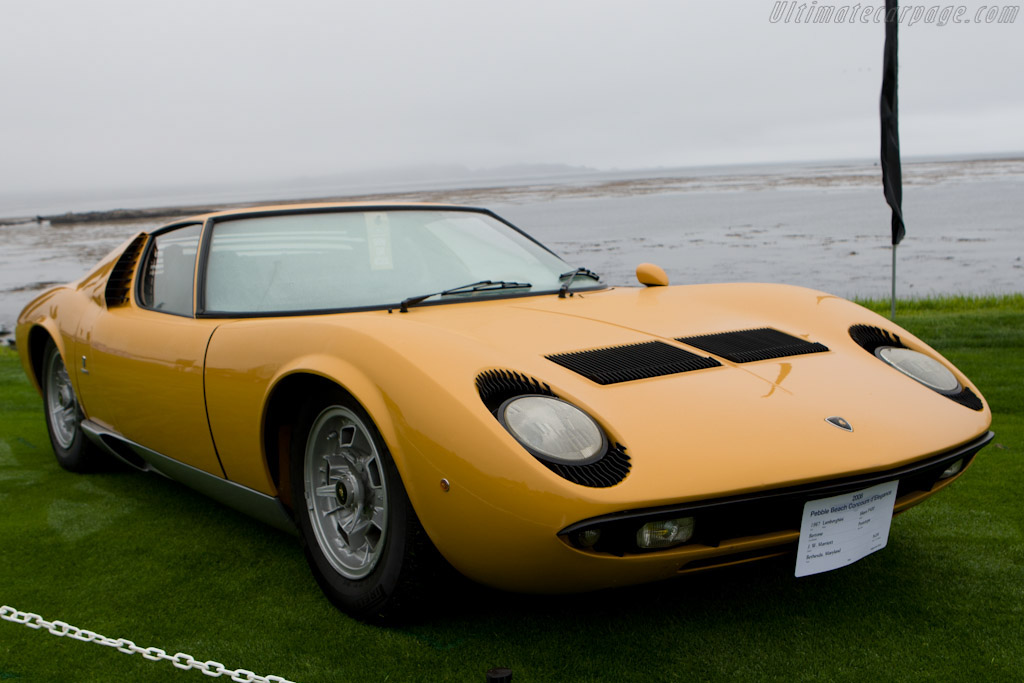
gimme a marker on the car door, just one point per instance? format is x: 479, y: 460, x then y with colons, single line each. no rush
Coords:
x: 141, y: 366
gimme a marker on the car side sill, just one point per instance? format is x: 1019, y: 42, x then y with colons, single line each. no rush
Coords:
x: 267, y: 509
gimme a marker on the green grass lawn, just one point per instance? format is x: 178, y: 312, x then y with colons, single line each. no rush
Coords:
x: 136, y: 556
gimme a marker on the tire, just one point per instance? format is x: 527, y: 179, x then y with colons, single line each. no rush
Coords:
x: 362, y: 539
x: 73, y: 449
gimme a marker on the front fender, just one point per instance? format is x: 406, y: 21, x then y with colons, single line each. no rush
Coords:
x: 37, y: 321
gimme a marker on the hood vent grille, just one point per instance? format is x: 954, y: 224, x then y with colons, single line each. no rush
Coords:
x: 747, y: 346
x: 635, y: 361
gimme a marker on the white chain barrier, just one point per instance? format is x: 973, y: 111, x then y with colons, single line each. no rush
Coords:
x: 153, y: 654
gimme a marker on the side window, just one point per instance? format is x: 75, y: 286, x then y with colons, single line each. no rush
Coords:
x: 169, y: 272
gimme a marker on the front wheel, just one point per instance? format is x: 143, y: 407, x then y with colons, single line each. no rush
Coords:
x: 361, y: 537
x: 64, y: 417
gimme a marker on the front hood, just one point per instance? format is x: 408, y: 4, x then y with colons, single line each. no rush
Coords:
x: 727, y: 429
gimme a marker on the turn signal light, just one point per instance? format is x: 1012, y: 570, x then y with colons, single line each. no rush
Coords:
x: 952, y: 469
x: 665, y: 533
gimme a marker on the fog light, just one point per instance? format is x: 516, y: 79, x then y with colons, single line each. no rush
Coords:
x: 952, y: 469
x: 667, y: 532
x: 588, y: 538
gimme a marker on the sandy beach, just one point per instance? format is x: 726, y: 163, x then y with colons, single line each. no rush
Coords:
x: 817, y: 225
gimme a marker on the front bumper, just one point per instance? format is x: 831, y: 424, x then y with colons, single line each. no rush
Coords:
x: 756, y: 526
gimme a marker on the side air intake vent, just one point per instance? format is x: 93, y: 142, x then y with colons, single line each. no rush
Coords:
x: 635, y: 361
x: 497, y: 386
x: 747, y: 346
x: 119, y: 284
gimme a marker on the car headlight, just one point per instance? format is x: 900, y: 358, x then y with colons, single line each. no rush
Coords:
x: 553, y: 430
x: 924, y: 369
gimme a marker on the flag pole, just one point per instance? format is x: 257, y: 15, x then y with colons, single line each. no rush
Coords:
x: 892, y: 298
x: 892, y: 174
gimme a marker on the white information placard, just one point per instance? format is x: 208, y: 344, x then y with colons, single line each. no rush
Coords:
x: 838, y: 531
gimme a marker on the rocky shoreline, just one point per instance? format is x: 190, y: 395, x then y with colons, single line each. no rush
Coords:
x: 823, y: 176
x: 824, y: 226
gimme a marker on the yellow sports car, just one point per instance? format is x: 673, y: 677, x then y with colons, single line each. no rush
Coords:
x: 388, y: 380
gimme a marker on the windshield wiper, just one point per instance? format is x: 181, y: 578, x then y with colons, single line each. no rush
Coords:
x: 572, y: 274
x: 480, y: 286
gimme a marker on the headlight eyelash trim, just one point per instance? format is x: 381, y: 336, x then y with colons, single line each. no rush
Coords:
x: 497, y: 386
x: 870, y: 338
x: 606, y: 472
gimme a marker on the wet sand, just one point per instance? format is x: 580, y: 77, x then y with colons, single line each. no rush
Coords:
x: 823, y: 226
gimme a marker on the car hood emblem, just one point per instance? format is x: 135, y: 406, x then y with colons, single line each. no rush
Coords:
x: 839, y: 422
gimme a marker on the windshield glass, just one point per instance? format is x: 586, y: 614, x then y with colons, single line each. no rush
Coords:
x: 355, y: 259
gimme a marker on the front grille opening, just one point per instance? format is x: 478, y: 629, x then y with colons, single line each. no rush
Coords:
x: 616, y: 364
x: 739, y: 558
x: 719, y: 520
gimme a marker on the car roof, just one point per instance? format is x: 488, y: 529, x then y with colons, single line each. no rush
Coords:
x: 265, y: 209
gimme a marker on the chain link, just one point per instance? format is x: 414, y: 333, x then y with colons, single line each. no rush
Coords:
x: 153, y: 654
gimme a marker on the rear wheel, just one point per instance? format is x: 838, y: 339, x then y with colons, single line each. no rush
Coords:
x: 362, y: 539
x: 64, y: 417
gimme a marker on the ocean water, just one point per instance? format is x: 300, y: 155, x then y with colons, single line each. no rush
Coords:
x: 962, y: 237
x: 824, y: 226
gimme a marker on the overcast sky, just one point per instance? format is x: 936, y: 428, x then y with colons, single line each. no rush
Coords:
x: 135, y: 93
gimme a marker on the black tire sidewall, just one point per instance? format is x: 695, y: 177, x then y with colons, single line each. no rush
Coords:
x: 370, y: 597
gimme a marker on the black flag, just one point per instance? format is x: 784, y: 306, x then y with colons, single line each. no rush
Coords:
x: 892, y: 175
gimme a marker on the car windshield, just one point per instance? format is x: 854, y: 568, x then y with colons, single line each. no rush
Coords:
x: 365, y: 259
